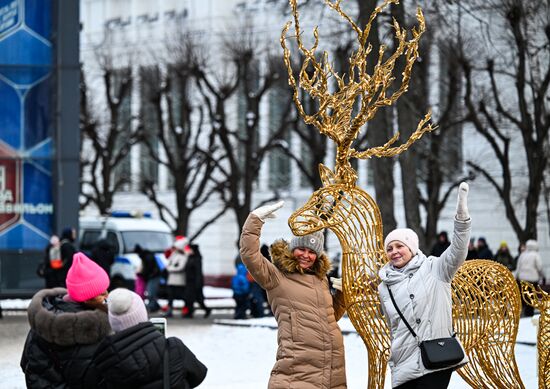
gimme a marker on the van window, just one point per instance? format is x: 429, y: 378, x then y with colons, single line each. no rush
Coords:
x: 89, y: 237
x: 149, y: 240
x: 112, y: 239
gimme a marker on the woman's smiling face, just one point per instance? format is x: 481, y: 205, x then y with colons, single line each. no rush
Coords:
x: 398, y: 253
x: 305, y: 257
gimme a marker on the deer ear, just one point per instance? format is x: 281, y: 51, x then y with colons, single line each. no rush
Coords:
x: 327, y: 176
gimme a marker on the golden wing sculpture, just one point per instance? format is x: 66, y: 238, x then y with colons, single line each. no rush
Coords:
x: 539, y: 299
x: 487, y: 325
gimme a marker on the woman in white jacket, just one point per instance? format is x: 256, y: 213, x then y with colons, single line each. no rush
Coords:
x: 421, y: 287
x: 529, y: 269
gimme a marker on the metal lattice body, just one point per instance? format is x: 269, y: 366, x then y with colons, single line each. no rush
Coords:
x: 539, y: 299
x: 485, y: 302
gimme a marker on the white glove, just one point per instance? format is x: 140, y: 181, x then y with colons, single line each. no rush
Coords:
x: 268, y: 211
x: 462, y: 202
x: 336, y: 283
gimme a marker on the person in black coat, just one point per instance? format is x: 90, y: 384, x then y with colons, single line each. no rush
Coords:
x: 66, y: 327
x: 151, y: 274
x: 134, y: 356
x: 483, y: 250
x: 67, y: 249
x: 441, y: 245
x: 194, y: 282
x: 103, y: 253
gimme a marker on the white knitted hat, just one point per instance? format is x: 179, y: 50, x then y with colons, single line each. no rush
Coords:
x: 126, y: 309
x: 406, y: 236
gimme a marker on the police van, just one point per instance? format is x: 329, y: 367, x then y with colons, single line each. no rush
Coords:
x: 123, y: 231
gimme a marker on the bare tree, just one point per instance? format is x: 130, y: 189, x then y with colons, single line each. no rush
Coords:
x: 431, y: 170
x: 379, y: 128
x: 179, y: 138
x: 247, y: 83
x: 513, y: 104
x: 110, y: 135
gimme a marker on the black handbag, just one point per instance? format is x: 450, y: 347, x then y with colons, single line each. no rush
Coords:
x: 436, y: 353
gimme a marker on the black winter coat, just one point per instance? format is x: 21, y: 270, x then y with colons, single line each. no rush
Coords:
x: 194, y: 279
x: 134, y: 358
x: 62, y: 341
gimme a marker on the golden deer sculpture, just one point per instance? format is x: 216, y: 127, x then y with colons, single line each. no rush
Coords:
x: 539, y: 299
x: 353, y: 216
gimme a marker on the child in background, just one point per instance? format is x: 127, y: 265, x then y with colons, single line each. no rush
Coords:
x: 241, y: 291
x: 134, y: 356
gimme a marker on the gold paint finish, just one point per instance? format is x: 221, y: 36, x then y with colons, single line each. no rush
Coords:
x: 539, y: 299
x: 485, y: 296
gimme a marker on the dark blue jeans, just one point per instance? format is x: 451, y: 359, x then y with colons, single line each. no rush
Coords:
x: 242, y: 304
x: 152, y: 290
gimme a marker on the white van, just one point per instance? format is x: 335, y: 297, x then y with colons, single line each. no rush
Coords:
x: 123, y: 231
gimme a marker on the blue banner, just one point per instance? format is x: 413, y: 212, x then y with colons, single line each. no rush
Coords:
x: 27, y: 91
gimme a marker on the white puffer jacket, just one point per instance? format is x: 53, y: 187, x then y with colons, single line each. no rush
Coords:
x: 176, y: 268
x: 529, y: 267
x: 422, y: 291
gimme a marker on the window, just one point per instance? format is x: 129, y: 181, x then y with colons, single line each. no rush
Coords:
x: 153, y: 241
x: 88, y: 240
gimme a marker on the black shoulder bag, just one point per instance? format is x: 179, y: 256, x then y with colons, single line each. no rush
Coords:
x: 436, y: 353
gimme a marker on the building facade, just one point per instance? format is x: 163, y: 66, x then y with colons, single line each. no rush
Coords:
x: 131, y: 30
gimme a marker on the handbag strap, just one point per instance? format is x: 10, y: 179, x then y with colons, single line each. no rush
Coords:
x: 401, y: 315
x: 166, y: 374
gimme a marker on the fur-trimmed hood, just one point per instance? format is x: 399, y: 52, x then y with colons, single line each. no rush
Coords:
x: 66, y: 323
x: 285, y: 262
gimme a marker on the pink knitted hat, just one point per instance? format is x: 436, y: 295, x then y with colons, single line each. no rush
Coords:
x: 85, y: 279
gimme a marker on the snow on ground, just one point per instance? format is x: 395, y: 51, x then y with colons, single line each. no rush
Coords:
x: 240, y: 353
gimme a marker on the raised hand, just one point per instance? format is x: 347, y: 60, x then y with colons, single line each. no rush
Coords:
x: 268, y: 211
x: 462, y: 202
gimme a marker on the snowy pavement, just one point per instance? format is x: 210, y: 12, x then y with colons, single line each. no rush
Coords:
x: 240, y: 354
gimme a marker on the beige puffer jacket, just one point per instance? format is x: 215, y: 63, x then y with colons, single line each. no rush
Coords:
x: 310, y: 352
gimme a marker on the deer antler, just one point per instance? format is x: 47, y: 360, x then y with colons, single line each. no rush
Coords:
x: 334, y: 116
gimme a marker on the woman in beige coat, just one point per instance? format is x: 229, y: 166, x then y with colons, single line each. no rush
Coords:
x: 310, y: 352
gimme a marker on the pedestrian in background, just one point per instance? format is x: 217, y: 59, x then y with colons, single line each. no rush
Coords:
x: 66, y: 327
x: 194, y: 279
x: 310, y: 344
x: 241, y: 291
x: 420, y: 287
x: 176, y: 280
x: 521, y: 249
x: 150, y: 274
x: 134, y: 356
x: 529, y: 269
x: 504, y: 257
x: 472, y: 250
x: 103, y: 253
x: 53, y: 272
x: 67, y: 249
x: 483, y: 250
x: 441, y: 245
